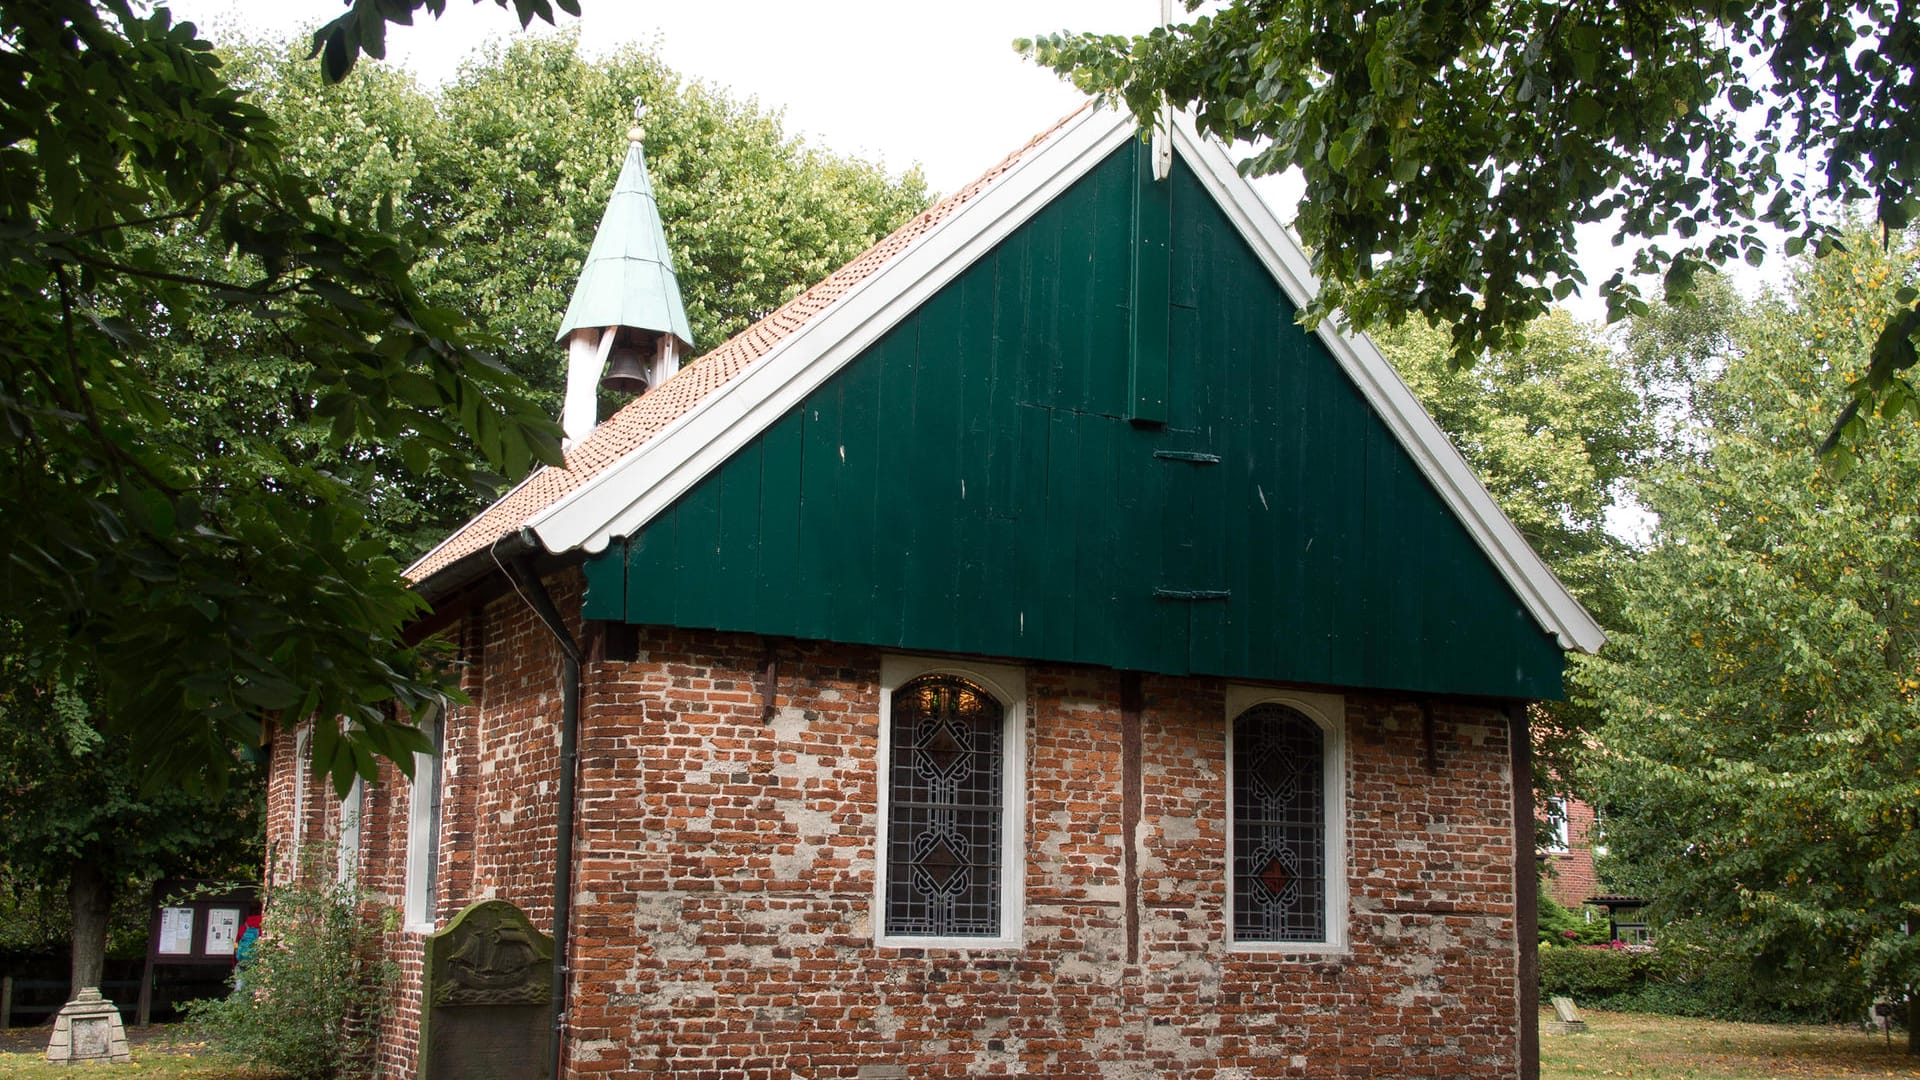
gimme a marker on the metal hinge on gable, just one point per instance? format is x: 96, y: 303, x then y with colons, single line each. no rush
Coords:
x: 1192, y: 456
x: 1191, y: 594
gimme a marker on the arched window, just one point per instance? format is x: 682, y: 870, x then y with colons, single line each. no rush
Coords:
x: 302, y: 764
x: 1286, y: 837
x: 346, y: 851
x: 951, y: 824
x: 423, y: 824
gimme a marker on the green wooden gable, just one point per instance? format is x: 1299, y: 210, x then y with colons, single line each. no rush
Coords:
x: 1105, y: 442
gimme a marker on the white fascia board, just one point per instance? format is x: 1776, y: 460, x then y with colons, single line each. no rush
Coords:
x: 410, y: 572
x: 628, y: 494
x: 1438, y: 459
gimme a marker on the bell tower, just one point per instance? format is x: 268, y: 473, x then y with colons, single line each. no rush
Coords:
x: 625, y: 328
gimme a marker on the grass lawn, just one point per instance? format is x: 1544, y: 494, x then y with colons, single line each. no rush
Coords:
x: 1615, y: 1044
x: 145, y: 1063
x: 1668, y: 1048
x: 160, y: 1057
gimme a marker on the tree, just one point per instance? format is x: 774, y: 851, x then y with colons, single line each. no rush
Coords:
x: 1674, y: 354
x: 197, y: 602
x: 1557, y: 430
x: 506, y: 172
x: 534, y: 136
x: 241, y: 378
x: 1449, y: 150
x: 81, y: 826
x: 1763, y: 732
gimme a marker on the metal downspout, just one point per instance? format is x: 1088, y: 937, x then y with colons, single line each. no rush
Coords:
x: 515, y: 554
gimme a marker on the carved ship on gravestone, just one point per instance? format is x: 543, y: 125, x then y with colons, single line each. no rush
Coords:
x: 495, y: 965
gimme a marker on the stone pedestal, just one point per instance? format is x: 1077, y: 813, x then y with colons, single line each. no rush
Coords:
x: 88, y: 1029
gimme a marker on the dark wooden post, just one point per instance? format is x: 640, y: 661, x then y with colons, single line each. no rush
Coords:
x: 1130, y: 780
x: 143, y: 1013
x: 1526, y: 885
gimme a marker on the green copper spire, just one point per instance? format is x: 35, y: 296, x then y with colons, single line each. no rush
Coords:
x: 628, y: 276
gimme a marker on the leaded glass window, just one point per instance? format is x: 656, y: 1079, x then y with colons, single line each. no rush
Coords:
x: 945, y: 769
x: 1279, y: 826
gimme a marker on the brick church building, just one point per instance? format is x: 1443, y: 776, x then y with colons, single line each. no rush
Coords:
x: 1026, y: 652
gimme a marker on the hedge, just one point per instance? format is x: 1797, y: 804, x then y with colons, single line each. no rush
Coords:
x: 1684, y: 982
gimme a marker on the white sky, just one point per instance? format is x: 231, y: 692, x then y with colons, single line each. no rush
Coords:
x: 895, y: 81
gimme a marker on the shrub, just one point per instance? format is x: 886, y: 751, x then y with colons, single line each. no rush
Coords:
x: 1562, y: 926
x: 1593, y: 974
x: 308, y: 1002
x: 1677, y: 979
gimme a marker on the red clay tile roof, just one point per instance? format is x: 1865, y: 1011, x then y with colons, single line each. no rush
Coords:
x: 645, y: 416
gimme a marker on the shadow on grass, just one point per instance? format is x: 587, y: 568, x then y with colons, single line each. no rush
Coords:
x: 1676, y: 1048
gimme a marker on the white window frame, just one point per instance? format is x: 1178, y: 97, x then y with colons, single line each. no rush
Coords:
x: 1329, y: 712
x: 1558, y: 828
x: 423, y: 842
x: 302, y: 765
x: 346, y: 852
x: 1008, y: 685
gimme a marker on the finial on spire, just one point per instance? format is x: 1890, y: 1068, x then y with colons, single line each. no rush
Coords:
x: 636, y: 133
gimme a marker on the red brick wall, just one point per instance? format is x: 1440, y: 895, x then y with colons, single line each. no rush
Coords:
x: 722, y: 922
x: 303, y: 813
x: 1570, y: 878
x: 497, y: 811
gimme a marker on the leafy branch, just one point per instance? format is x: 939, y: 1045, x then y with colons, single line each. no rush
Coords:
x: 208, y: 589
x: 1450, y: 150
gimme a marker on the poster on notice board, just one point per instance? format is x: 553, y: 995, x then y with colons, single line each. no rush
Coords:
x: 176, y: 931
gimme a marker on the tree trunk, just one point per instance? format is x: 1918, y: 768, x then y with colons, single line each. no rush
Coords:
x: 90, y: 896
x: 1913, y: 1023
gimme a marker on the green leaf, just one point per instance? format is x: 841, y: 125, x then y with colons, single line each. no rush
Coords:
x: 1893, y: 349
x: 276, y: 395
x: 155, y: 510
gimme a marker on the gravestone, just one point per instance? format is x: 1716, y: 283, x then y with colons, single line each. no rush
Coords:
x: 88, y: 1029
x: 1566, y: 1018
x: 488, y: 997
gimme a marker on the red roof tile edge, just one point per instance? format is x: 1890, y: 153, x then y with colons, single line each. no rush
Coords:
x: 646, y: 416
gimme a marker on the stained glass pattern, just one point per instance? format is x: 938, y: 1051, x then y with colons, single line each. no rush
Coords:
x: 1279, y: 826
x: 945, y: 808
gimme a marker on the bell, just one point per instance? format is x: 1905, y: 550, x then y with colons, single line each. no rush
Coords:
x: 625, y: 372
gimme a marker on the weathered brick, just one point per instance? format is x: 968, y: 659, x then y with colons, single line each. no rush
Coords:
x: 725, y: 875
